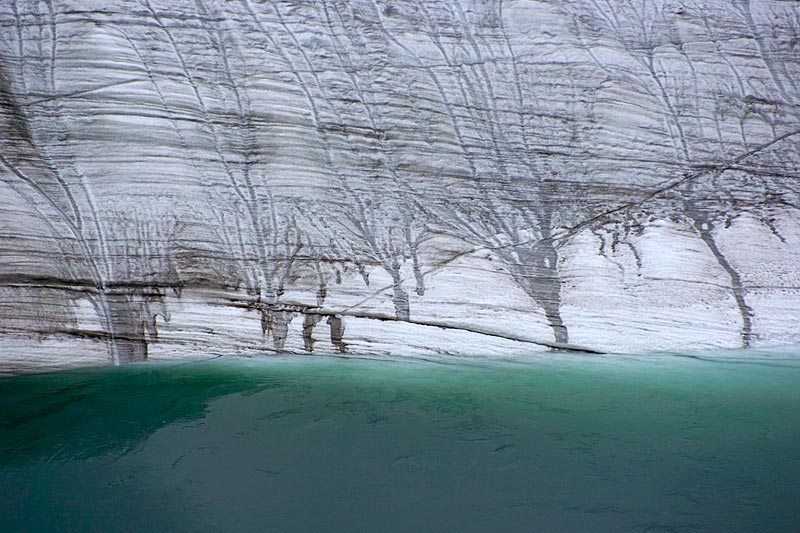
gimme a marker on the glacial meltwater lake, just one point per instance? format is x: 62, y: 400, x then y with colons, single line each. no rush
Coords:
x: 560, y: 442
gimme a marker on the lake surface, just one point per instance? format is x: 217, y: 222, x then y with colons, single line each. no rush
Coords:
x: 546, y: 443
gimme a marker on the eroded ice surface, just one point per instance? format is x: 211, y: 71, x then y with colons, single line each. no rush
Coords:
x: 391, y: 176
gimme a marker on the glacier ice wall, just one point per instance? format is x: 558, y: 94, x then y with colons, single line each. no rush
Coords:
x: 396, y: 176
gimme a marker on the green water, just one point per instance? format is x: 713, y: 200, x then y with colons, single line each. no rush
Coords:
x: 560, y: 443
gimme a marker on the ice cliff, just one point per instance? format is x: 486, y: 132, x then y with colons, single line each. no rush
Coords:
x: 188, y: 177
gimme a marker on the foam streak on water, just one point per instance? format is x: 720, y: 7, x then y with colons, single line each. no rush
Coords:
x: 567, y: 443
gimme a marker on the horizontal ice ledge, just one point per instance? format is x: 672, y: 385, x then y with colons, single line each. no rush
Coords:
x: 610, y: 305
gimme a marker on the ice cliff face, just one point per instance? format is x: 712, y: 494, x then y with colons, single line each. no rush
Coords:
x: 458, y: 176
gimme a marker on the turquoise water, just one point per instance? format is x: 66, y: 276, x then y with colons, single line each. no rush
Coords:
x: 557, y: 443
